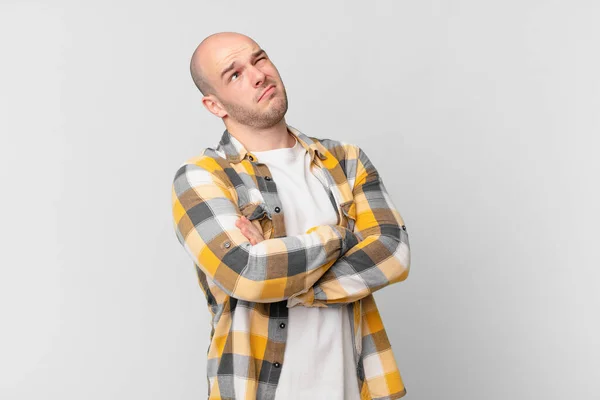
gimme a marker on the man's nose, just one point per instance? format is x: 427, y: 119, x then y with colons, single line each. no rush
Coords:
x: 258, y: 77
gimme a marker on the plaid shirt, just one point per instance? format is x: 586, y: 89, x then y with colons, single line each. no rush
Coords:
x: 249, y: 288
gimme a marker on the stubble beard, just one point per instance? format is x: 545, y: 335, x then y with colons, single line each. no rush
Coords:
x: 261, y: 120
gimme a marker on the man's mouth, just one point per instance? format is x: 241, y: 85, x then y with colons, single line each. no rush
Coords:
x: 267, y: 91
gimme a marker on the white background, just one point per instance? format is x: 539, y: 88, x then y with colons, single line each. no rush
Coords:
x: 482, y: 117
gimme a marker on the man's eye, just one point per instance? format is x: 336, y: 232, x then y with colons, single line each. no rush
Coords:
x: 234, y: 75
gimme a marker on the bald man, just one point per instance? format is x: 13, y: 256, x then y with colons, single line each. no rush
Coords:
x: 290, y: 236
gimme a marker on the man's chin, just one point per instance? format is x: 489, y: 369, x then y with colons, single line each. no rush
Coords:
x: 267, y: 118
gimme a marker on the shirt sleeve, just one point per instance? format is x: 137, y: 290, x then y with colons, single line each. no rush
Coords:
x: 381, y: 258
x: 204, y: 216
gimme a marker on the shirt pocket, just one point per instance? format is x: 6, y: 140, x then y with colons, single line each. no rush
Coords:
x: 257, y: 214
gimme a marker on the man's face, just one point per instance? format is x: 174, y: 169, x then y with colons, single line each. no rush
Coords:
x: 247, y: 83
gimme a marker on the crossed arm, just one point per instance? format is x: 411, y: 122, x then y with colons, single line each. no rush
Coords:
x: 326, y: 266
x: 204, y: 216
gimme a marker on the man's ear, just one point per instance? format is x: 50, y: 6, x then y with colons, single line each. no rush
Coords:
x: 214, y: 106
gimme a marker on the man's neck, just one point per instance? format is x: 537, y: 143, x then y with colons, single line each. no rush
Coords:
x: 253, y: 139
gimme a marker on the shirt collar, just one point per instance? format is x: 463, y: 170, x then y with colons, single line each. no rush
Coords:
x: 235, y: 152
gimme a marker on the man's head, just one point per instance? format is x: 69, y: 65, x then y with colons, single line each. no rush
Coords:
x: 238, y: 80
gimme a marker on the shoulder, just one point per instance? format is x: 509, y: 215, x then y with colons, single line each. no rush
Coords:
x: 352, y: 158
x: 208, y: 158
x: 208, y: 164
x: 341, y: 150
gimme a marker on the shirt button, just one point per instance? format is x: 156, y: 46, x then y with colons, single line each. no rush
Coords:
x: 277, y: 209
x: 277, y: 365
x: 227, y: 245
x: 268, y: 178
x: 282, y: 325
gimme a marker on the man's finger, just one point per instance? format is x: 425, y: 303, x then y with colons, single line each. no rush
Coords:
x: 249, y: 230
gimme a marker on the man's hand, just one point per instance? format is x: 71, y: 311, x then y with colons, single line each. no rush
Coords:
x: 250, y: 231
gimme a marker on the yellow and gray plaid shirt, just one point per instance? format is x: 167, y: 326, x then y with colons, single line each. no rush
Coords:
x: 249, y: 288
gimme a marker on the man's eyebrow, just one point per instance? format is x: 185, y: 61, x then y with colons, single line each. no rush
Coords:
x: 226, y: 70
x: 258, y: 52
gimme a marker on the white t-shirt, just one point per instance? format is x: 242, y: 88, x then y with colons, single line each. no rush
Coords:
x: 318, y: 362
